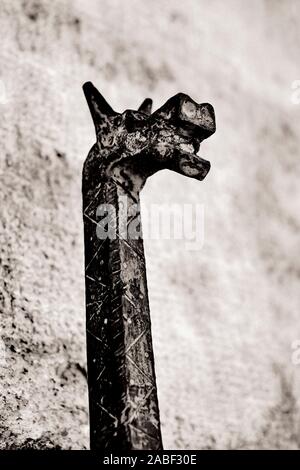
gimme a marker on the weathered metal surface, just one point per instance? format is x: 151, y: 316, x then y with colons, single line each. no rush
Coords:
x: 130, y: 147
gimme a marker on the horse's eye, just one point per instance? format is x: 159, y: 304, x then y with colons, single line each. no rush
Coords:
x: 118, y: 120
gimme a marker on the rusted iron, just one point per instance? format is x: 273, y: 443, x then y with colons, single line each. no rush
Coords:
x: 130, y: 147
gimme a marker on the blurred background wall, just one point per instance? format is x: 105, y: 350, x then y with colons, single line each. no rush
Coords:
x: 224, y: 316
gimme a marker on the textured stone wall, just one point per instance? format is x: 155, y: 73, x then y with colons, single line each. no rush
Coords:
x: 224, y: 316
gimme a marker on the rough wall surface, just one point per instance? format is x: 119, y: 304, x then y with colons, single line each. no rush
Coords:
x: 224, y: 316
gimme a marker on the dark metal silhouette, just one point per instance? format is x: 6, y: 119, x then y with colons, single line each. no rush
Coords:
x: 130, y: 147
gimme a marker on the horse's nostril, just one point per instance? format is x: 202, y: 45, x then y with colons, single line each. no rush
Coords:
x: 207, y: 113
x: 207, y: 119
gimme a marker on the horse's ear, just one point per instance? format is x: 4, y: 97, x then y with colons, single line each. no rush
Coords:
x: 146, y: 106
x: 99, y: 108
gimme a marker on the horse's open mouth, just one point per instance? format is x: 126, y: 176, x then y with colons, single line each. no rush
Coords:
x: 190, y: 163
